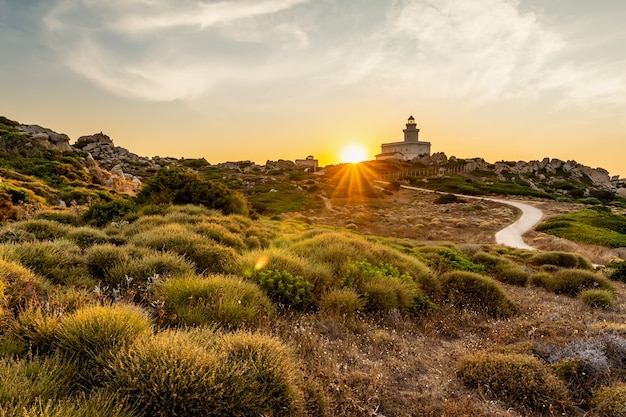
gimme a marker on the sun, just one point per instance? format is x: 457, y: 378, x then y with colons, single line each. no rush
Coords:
x: 353, y: 154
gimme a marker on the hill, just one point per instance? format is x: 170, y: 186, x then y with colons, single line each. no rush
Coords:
x: 334, y: 295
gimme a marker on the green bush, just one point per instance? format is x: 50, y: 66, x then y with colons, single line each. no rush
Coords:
x: 148, y: 266
x: 86, y: 236
x: 60, y: 261
x: 572, y: 281
x: 35, y: 329
x: 207, y: 255
x: 597, y: 298
x: 610, y: 401
x: 476, y: 292
x: 561, y: 259
x: 101, y: 214
x: 447, y: 199
x: 617, y: 270
x: 228, y: 301
x: 15, y: 235
x: 284, y: 288
x: 442, y: 259
x: 520, y: 381
x: 220, y: 234
x: 43, y: 229
x: 510, y: 273
x: 101, y: 259
x: 179, y: 186
x: 341, y: 302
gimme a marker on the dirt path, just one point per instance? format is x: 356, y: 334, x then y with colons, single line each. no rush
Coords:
x: 511, y: 235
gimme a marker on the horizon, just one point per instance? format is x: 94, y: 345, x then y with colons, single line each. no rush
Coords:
x: 282, y: 79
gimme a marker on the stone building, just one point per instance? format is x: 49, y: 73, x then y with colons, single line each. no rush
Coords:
x: 411, y: 147
x: 309, y: 163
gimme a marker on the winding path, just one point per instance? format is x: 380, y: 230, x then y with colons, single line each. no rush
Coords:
x: 511, y: 235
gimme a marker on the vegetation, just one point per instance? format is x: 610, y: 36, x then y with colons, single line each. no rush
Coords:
x: 596, y: 226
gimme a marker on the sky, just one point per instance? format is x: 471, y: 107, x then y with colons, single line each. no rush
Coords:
x: 232, y: 80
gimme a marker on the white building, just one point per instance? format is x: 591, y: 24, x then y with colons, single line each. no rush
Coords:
x: 408, y: 149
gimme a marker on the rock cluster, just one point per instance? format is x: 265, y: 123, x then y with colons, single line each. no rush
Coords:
x: 45, y: 137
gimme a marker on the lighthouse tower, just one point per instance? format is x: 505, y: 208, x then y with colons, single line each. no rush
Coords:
x: 411, y: 132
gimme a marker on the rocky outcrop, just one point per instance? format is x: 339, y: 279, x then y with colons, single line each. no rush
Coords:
x: 45, y: 137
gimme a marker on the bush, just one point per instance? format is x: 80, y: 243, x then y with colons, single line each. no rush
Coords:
x: 178, y: 373
x: 341, y: 302
x: 561, y: 259
x: 510, y: 273
x: 520, y: 381
x: 207, y: 255
x: 610, y: 401
x: 21, y: 286
x: 228, y: 301
x: 24, y: 382
x: 147, y: 266
x: 35, y: 329
x: 95, y: 405
x: 179, y: 186
x: 101, y: 214
x: 42, y: 229
x: 269, y: 376
x: 597, y: 298
x: 220, y: 234
x: 617, y: 270
x: 100, y: 259
x: 476, y: 292
x: 60, y: 261
x: 15, y: 235
x: 572, y: 281
x: 87, y: 236
x: 447, y: 199
x: 443, y: 259
x: 90, y: 336
x: 286, y: 289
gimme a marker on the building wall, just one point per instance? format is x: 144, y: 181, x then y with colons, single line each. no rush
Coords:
x: 409, y: 150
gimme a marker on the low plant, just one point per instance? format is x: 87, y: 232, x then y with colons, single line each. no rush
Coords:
x: 285, y: 288
x: 101, y: 259
x: 476, y: 292
x: 20, y: 286
x: 142, y: 267
x: 341, y: 302
x: 92, y: 335
x: 610, y: 401
x: 510, y: 273
x: 35, y: 329
x: 520, y: 381
x: 42, y: 229
x: 573, y: 281
x: 101, y: 214
x: 220, y: 234
x: 617, y: 270
x: 443, y: 259
x: 228, y: 301
x: 597, y: 298
x: 561, y: 259
x: 86, y: 236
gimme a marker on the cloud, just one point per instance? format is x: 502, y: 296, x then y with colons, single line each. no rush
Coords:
x: 169, y: 50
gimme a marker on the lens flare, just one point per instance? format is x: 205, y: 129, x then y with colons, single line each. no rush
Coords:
x: 261, y: 262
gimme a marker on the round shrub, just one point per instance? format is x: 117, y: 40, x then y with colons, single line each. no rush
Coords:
x: 101, y: 214
x: 268, y: 374
x: 21, y: 286
x: 208, y: 255
x: 510, y: 273
x: 61, y: 261
x: 42, y: 229
x: 343, y: 302
x: 175, y: 373
x: 220, y: 234
x: 520, y: 381
x: 14, y: 235
x: 561, y: 259
x: 442, y: 259
x: 90, y: 336
x: 617, y: 270
x: 609, y: 401
x: 572, y: 281
x: 476, y: 292
x: 228, y: 301
x: 100, y: 259
x: 35, y: 330
x: 286, y: 289
x: 542, y: 279
x: 597, y: 298
x: 150, y: 264
x: 87, y: 236
x: 385, y: 295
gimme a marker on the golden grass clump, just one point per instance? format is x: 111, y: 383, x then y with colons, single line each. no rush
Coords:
x: 468, y: 290
x: 43, y: 229
x: 520, y: 381
x: 34, y: 329
x: 100, y: 259
x: 225, y: 300
x: 86, y: 236
x: 341, y: 302
x: 20, y: 285
x: 207, y: 254
x: 572, y: 282
x: 237, y: 374
x: 220, y: 234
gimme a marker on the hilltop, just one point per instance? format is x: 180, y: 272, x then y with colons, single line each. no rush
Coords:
x: 134, y: 286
